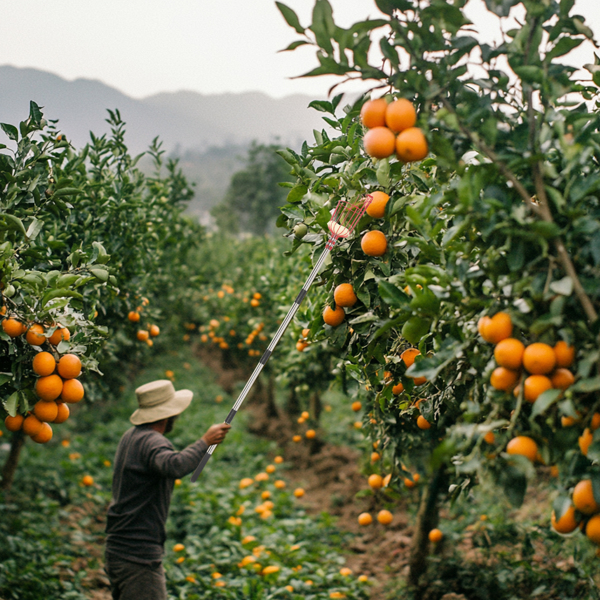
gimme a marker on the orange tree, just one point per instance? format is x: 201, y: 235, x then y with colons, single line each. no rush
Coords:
x: 500, y: 217
x: 82, y: 236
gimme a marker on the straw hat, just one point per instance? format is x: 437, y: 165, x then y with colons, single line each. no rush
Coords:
x: 159, y: 400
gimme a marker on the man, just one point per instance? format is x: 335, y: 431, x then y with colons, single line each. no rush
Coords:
x: 145, y: 469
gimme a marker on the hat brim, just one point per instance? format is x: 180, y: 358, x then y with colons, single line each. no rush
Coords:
x: 174, y: 407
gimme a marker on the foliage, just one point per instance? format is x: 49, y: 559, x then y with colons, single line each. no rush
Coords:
x: 253, y: 198
x: 502, y: 216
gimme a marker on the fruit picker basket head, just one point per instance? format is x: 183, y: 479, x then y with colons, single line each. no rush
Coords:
x: 346, y: 215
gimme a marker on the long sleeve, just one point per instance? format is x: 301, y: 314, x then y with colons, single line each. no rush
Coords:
x: 175, y: 465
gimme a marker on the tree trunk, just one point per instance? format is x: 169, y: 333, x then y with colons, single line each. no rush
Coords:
x: 271, y: 408
x: 427, y: 519
x: 292, y: 406
x: 10, y: 466
x: 315, y: 406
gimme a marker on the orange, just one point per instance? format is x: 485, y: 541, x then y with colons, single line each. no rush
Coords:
x: 495, y: 329
x: 296, y: 438
x: 566, y: 421
x: 409, y: 355
x: 45, y: 411
x: 87, y: 480
x: 523, y: 446
x: 44, y: 364
x: 372, y: 113
x: 489, y: 437
x: 435, y: 535
x: 155, y: 330
x: 49, y: 388
x: 539, y: 358
x: 344, y: 295
x: 150, y: 343
x: 333, y: 317
x: 72, y: 391
x: 365, y: 519
x: 398, y: 389
x: 400, y: 115
x: 376, y: 208
x: 60, y: 334
x: 12, y: 327
x: 385, y: 517
x: 63, y: 413
x: 379, y: 142
x: 509, y: 353
x: 69, y: 366
x: 35, y: 335
x: 562, y: 378
x: 254, y: 302
x: 503, y: 379
x: 257, y: 295
x: 585, y: 441
x: 411, y: 145
x: 565, y: 354
x: 375, y: 481
x: 32, y: 425
x: 583, y: 498
x: 301, y: 346
x: 133, y: 316
x: 305, y: 332
x: 310, y: 434
x: 44, y: 435
x: 298, y: 492
x: 535, y: 385
x: 566, y: 523
x: 356, y: 406
x: 374, y: 243
x: 419, y: 380
x: 142, y: 335
x: 345, y: 571
x: 3, y: 310
x: 595, y: 422
x: 592, y: 529
x: 14, y: 423
x: 423, y: 423
x: 410, y: 483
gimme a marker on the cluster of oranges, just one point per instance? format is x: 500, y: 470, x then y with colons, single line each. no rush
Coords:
x: 143, y: 335
x: 213, y: 326
x: 546, y: 366
x: 344, y: 297
x: 391, y: 129
x: 56, y: 387
x: 302, y: 343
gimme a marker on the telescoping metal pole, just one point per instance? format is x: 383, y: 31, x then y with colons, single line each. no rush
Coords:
x: 343, y: 221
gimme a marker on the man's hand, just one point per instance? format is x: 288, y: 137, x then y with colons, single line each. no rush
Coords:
x: 216, y: 433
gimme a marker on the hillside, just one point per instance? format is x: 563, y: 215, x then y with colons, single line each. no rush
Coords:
x: 185, y: 119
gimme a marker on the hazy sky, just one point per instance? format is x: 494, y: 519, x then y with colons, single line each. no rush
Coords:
x: 143, y: 47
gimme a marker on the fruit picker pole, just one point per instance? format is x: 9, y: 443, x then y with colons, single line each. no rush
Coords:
x: 341, y: 225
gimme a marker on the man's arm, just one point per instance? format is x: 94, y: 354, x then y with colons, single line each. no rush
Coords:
x: 175, y: 465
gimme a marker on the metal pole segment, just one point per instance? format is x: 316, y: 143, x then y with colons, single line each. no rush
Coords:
x: 263, y: 361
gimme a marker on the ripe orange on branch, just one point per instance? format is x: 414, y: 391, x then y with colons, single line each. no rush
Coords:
x: 583, y: 498
x: 44, y: 364
x: 60, y: 334
x: 411, y: 145
x: 374, y: 243
x: 44, y: 434
x: 333, y: 317
x: 63, y: 412
x: 523, y: 446
x: 565, y: 354
x: 32, y: 425
x: 379, y: 142
x: 562, y: 379
x: 142, y: 335
x: 72, y: 391
x: 566, y: 523
x: 539, y: 359
x: 35, y: 335
x: 344, y: 295
x: 13, y: 328
x: 509, y: 353
x: 435, y: 536
x: 503, y: 379
x: 534, y: 386
x: 69, y: 366
x: 409, y: 355
x: 45, y: 411
x: 372, y: 113
x: 14, y: 423
x: 49, y: 388
x: 400, y: 115
x: 495, y: 329
x: 133, y: 316
x: 376, y: 208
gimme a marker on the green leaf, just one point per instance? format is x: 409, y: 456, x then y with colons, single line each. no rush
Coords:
x: 514, y: 483
x: 587, y: 385
x: 11, y: 131
x: 11, y: 222
x: 295, y: 45
x: 34, y: 228
x: 297, y: 193
x: 101, y: 274
x: 290, y: 16
x: 430, y: 366
x: 564, y: 46
x: 11, y: 404
x: 59, y: 293
x: 544, y: 401
x: 530, y: 73
x: 383, y: 172
x: 391, y: 295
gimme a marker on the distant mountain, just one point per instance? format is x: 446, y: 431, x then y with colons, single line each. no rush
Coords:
x: 187, y: 120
